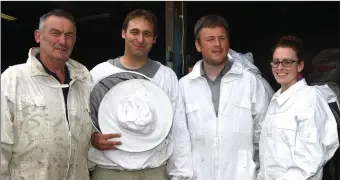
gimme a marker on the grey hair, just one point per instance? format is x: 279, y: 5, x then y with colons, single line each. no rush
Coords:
x: 58, y: 13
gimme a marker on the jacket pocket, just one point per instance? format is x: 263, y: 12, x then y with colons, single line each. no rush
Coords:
x: 242, y: 120
x: 32, y: 170
x: 245, y: 165
x: 33, y: 120
x: 284, y: 138
x: 244, y: 103
x: 191, y: 108
x: 194, y: 121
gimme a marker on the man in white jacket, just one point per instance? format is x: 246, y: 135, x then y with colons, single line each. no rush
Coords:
x: 225, y: 104
x: 140, y: 32
x: 45, y: 121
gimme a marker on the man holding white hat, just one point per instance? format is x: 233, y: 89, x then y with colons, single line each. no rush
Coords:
x: 137, y: 112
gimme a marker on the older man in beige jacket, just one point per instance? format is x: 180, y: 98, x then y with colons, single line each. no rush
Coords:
x: 45, y: 123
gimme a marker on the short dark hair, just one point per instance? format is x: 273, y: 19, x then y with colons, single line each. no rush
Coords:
x: 142, y: 13
x: 56, y: 12
x: 210, y: 21
x: 292, y: 42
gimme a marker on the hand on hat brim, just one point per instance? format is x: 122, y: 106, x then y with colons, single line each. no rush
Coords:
x: 101, y: 141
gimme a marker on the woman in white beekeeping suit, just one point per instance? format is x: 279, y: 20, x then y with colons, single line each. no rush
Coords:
x: 299, y: 134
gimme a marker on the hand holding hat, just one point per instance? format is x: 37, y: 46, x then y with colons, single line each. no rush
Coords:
x: 101, y: 141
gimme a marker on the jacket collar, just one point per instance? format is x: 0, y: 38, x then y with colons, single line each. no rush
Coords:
x: 77, y: 70
x: 236, y: 68
x: 281, y: 98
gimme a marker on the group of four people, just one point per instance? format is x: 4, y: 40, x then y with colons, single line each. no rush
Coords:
x: 227, y: 123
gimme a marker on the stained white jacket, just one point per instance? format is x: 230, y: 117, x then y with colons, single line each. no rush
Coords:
x: 37, y: 143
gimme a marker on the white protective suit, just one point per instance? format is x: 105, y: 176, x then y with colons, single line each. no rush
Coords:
x: 224, y: 146
x: 299, y: 134
x: 37, y: 142
x: 174, y: 150
x: 248, y: 61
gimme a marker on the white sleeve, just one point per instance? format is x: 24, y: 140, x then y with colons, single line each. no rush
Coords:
x: 180, y: 163
x: 7, y: 133
x: 260, y: 101
x: 316, y: 140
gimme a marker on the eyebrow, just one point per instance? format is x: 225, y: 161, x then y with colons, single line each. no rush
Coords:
x: 149, y: 32
x: 53, y: 30
x: 215, y: 36
x: 282, y: 59
x: 135, y: 29
x: 146, y: 31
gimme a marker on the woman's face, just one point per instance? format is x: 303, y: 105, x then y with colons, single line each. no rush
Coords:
x: 286, y: 67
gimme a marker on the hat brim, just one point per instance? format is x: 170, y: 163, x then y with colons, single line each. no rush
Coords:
x: 159, y: 102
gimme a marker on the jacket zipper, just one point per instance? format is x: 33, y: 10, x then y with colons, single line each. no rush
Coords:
x: 216, y: 140
x: 69, y: 127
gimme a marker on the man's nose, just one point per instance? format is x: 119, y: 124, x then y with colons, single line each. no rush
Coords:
x: 62, y: 39
x: 217, y: 42
x: 140, y: 39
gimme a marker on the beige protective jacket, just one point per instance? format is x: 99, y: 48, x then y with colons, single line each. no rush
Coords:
x: 37, y: 142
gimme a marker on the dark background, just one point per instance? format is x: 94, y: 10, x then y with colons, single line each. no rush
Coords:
x: 255, y: 27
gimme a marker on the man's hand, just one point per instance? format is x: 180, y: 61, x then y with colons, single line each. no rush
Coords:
x: 101, y: 142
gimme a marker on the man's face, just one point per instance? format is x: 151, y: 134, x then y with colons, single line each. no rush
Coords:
x: 213, y: 43
x: 57, y: 38
x: 139, y: 37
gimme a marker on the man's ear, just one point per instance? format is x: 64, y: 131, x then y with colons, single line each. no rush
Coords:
x: 123, y: 34
x: 198, y: 46
x: 37, y: 35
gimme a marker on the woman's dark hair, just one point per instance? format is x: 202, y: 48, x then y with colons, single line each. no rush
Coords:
x: 292, y: 42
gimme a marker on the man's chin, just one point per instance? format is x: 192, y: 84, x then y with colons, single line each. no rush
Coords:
x: 140, y: 54
x: 63, y: 58
x: 216, y: 62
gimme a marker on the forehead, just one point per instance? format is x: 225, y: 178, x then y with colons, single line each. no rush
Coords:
x: 59, y: 23
x: 216, y: 31
x: 140, y: 23
x: 284, y: 52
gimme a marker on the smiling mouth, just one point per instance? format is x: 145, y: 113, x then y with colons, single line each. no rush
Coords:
x: 281, y: 74
x: 138, y: 46
x: 61, y: 49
